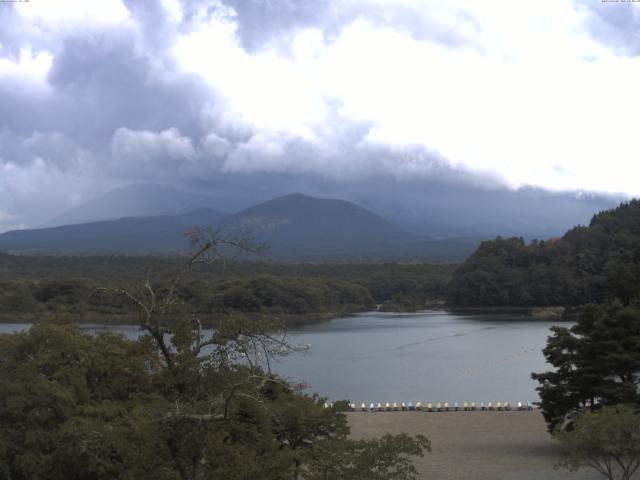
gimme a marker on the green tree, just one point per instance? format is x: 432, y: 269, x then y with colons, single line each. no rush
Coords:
x: 596, y: 363
x: 607, y: 441
x: 380, y: 459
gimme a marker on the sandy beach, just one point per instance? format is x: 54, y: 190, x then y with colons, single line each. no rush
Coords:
x: 475, y: 445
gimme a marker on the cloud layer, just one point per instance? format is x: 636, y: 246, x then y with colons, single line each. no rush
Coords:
x: 95, y: 95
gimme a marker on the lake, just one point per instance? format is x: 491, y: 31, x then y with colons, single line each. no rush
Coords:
x: 425, y: 356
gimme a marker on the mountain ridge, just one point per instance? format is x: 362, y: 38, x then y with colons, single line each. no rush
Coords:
x: 294, y: 225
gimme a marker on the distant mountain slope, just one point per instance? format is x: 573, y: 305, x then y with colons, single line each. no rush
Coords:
x: 437, y: 209
x: 460, y: 210
x: 133, y: 234
x: 137, y: 200
x: 295, y: 227
x: 587, y: 264
x: 301, y: 225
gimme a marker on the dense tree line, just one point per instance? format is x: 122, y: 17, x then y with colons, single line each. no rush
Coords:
x: 262, y: 294
x: 63, y: 285
x: 289, y: 295
x: 587, y: 265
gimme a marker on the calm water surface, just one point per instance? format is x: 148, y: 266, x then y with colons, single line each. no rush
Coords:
x: 427, y: 356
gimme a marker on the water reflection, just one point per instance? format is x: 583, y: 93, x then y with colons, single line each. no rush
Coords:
x: 428, y: 356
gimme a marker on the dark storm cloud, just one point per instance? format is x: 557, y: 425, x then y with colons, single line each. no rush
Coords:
x: 107, y: 80
x: 99, y: 82
x: 56, y: 138
x: 615, y: 24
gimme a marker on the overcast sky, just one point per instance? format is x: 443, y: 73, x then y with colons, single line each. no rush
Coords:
x: 98, y: 94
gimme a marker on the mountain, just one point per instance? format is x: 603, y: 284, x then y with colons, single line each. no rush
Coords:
x: 453, y: 210
x: 294, y: 226
x: 125, y: 235
x: 137, y: 200
x: 298, y: 225
x: 433, y: 207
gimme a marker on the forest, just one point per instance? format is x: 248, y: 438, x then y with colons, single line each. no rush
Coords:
x: 588, y: 264
x: 32, y: 286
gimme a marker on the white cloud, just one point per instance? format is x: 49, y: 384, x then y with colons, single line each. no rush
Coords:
x: 74, y: 13
x: 28, y: 72
x: 134, y: 150
x: 531, y: 92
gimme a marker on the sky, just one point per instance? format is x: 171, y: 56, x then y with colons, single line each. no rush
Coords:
x: 99, y: 94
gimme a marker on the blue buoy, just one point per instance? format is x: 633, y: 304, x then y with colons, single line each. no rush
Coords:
x: 411, y: 407
x: 372, y: 407
x: 482, y: 406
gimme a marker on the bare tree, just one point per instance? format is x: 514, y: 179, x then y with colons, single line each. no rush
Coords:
x: 161, y: 317
x: 234, y: 339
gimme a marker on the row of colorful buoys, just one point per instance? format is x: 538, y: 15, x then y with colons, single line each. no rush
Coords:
x: 438, y: 407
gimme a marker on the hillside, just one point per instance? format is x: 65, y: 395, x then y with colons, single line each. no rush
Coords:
x: 587, y: 264
x: 299, y: 225
x: 294, y: 227
x: 132, y: 235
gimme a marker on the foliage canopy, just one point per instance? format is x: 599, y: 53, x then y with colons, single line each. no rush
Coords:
x: 587, y: 265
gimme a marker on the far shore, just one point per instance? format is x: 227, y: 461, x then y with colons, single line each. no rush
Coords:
x: 558, y: 313
x: 476, y: 445
x: 94, y: 318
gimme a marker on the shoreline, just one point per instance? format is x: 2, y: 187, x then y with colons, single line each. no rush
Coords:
x: 558, y: 313
x: 289, y: 320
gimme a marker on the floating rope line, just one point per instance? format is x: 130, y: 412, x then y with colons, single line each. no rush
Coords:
x: 496, y: 363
